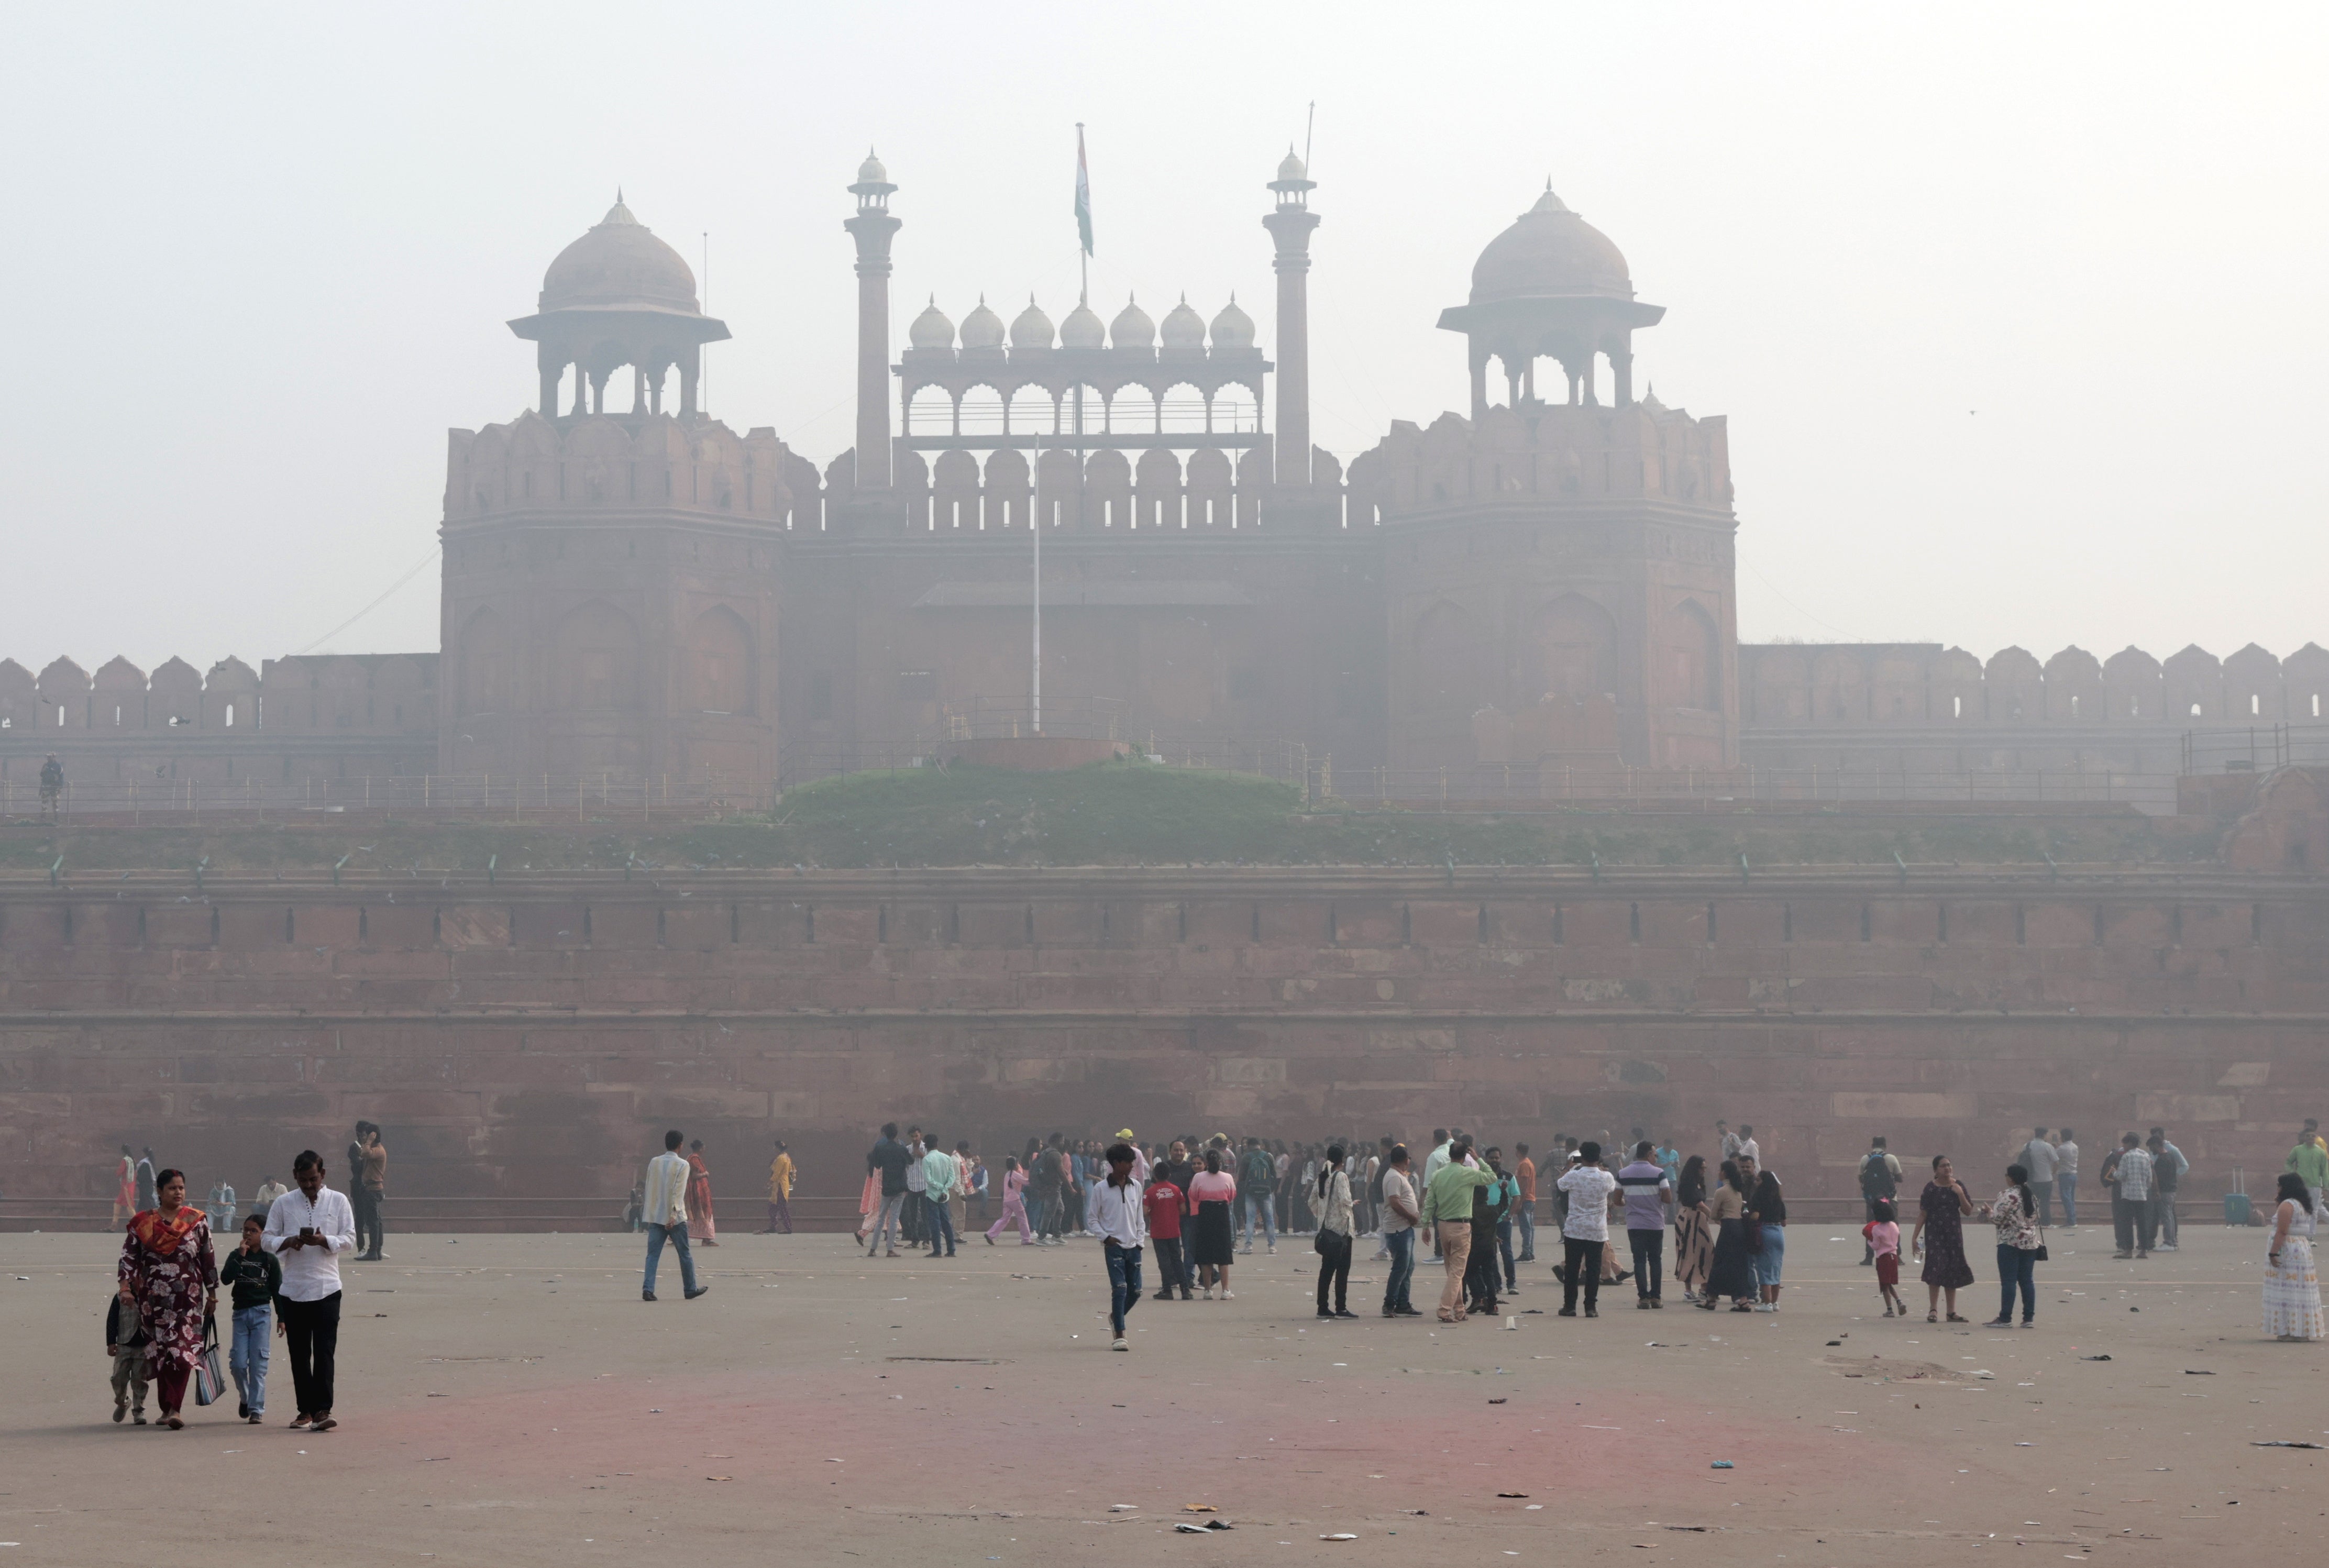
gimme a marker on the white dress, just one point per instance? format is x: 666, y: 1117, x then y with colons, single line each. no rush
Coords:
x: 2292, y: 1287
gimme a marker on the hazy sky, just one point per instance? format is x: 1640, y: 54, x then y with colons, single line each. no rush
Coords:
x: 2016, y: 311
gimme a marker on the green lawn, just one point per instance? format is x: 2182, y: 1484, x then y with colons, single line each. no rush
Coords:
x: 1121, y: 813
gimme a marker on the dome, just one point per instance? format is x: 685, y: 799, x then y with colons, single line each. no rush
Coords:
x: 871, y: 172
x: 1292, y: 169
x: 1131, y: 328
x: 1182, y: 328
x: 1031, y: 328
x: 1232, y: 329
x: 620, y: 265
x: 982, y: 328
x: 1549, y: 252
x: 1082, y: 330
x: 931, y: 329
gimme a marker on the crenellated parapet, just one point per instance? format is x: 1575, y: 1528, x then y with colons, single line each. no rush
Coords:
x: 1849, y: 685
x: 625, y: 464
x: 1551, y: 454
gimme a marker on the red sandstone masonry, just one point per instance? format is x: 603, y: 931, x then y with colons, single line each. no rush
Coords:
x: 528, y: 1036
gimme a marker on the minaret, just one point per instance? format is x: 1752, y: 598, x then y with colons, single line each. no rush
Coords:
x: 872, y: 229
x: 1290, y: 226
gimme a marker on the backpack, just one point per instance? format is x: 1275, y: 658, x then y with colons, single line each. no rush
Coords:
x: 1256, y: 1170
x: 1876, y: 1177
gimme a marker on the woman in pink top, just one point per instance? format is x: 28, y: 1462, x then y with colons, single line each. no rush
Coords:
x: 1213, y: 1243
x: 1014, y: 1207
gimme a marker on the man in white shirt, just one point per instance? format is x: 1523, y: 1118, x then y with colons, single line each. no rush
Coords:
x: 307, y: 1228
x: 1585, y: 1230
x: 1113, y: 1212
x: 1747, y: 1147
x: 1401, y: 1208
x: 2038, y: 1159
x: 664, y: 1213
x: 1730, y: 1139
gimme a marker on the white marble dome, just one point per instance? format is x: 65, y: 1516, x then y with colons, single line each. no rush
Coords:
x: 1030, y: 328
x: 1232, y: 329
x: 1182, y: 328
x: 1082, y: 328
x: 931, y: 329
x: 982, y: 328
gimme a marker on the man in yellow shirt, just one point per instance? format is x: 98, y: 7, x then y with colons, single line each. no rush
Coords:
x: 780, y: 1193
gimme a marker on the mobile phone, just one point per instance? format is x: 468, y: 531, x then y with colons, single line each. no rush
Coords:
x: 307, y: 1233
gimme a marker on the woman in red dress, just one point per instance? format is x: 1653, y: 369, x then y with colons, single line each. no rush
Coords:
x: 169, y: 1277
x: 699, y: 1196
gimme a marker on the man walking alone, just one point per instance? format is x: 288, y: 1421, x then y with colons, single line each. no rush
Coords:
x: 1115, y: 1213
x: 665, y: 1210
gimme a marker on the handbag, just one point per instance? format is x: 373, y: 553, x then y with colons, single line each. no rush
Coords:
x: 210, y: 1377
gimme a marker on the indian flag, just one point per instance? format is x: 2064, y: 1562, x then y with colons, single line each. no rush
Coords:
x: 1083, y: 194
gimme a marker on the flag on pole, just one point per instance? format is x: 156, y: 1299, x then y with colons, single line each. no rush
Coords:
x: 1083, y: 194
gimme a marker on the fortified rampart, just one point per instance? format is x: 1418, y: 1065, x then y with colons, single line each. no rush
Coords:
x: 531, y: 1037
x: 1925, y: 711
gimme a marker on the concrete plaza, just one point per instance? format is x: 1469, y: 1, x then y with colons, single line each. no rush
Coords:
x: 509, y: 1400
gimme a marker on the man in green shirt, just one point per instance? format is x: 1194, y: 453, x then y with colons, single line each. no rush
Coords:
x: 1447, y: 1208
x: 940, y: 1177
x: 2309, y: 1161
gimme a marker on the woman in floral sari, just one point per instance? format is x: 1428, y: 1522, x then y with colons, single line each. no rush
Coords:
x: 170, y: 1277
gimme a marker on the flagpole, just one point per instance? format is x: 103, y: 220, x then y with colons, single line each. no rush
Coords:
x: 1035, y: 522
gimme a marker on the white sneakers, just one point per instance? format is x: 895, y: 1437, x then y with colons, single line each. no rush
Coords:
x: 1209, y: 1292
x: 1121, y: 1343
x: 1225, y: 1294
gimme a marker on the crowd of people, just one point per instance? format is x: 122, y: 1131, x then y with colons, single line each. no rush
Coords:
x: 1195, y: 1206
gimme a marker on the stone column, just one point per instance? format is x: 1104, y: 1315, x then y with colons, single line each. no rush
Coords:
x: 872, y: 228
x: 1290, y: 226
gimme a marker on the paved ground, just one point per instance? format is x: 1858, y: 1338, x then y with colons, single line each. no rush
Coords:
x: 510, y: 1400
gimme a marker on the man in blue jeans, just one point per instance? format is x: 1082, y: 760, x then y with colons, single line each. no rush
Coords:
x: 1256, y: 1179
x: 1401, y: 1211
x: 1114, y: 1212
x: 666, y: 1218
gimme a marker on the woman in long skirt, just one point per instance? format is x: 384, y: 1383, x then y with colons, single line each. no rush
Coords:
x: 869, y: 1205
x: 1732, y: 1273
x: 169, y: 1277
x: 2292, y: 1286
x: 700, y: 1227
x: 1213, y: 1243
x: 1941, y: 1209
x: 1694, y: 1229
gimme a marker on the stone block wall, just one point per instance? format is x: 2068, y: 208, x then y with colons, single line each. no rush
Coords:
x: 534, y: 1038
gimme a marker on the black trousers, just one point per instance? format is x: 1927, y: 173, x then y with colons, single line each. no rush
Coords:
x: 2135, y: 1222
x: 1335, y: 1268
x: 311, y: 1331
x: 1580, y: 1262
x: 1172, y: 1267
x: 366, y: 1204
x: 1480, y: 1271
x: 1649, y: 1264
